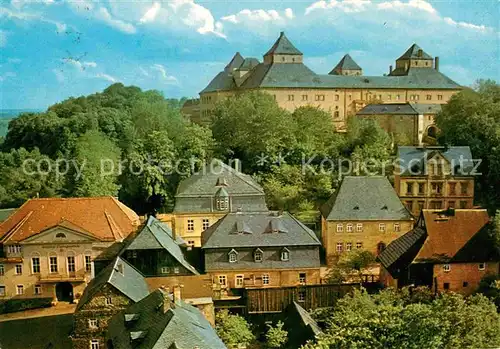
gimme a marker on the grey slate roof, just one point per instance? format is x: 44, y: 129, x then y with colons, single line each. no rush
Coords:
x: 365, y: 198
x: 400, y: 109
x: 306, y: 318
x: 249, y: 63
x: 158, y: 235
x: 412, y: 52
x: 257, y: 232
x: 346, y: 63
x: 416, y: 156
x: 5, y: 213
x: 235, y: 63
x: 283, y: 46
x: 130, y: 282
x: 182, y: 326
x: 398, y: 254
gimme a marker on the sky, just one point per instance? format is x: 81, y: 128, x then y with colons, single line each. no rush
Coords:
x: 51, y: 49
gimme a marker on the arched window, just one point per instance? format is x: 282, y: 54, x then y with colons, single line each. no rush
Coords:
x: 61, y: 236
x: 380, y: 247
x: 431, y: 131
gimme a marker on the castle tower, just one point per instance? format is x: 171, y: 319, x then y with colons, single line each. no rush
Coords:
x: 347, y: 66
x: 414, y: 57
x: 283, y: 51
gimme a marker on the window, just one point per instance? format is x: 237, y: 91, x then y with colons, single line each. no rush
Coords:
x: 222, y: 203
x: 409, y: 188
x: 337, y: 97
x: 389, y: 97
x: 409, y: 205
x: 35, y: 265
x: 440, y: 97
x: 398, y: 97
x: 94, y: 344
x: 397, y: 227
x: 301, y: 296
x: 302, y: 278
x: 222, y: 280
x: 380, y: 247
x: 190, y: 224
x: 421, y: 188
x: 206, y: 223
x: 176, y: 270
x: 71, y: 264
x: 437, y: 188
x: 291, y: 98
x: 452, y: 188
x: 359, y: 245
x: 336, y: 114
x: 463, y: 204
x: 451, y: 204
x: 464, y: 188
x: 53, y: 264
x: 2, y: 270
x: 2, y: 291
x: 465, y: 284
x: 340, y: 228
x: 191, y: 242
x: 19, y: 269
x: 238, y: 280
x: 233, y: 256
x: 257, y: 255
x: 61, y: 236
x: 446, y: 267
x: 38, y: 290
x: 359, y: 227
x: 165, y: 270
x: 381, y: 227
x: 285, y: 254
x: 320, y: 97
x: 429, y: 97
x: 265, y: 279
x: 482, y: 266
x: 421, y: 205
x: 446, y: 286
x: 340, y: 246
x: 88, y: 264
x: 436, y: 205
x: 417, y: 97
x: 108, y: 301
x: 304, y: 97
x: 348, y: 246
x: 93, y: 323
x: 348, y: 228
x: 20, y: 289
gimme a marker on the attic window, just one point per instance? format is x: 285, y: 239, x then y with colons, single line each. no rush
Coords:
x: 233, y: 256
x: 385, y: 207
x: 356, y: 207
x: 257, y: 255
x: 61, y: 236
x: 131, y: 317
x: 137, y: 335
x: 285, y: 254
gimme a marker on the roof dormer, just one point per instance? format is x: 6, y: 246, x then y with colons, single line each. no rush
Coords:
x: 283, y: 51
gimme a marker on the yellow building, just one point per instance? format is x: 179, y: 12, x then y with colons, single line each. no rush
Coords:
x: 342, y: 92
x: 208, y: 195
x: 365, y: 213
x: 47, y: 246
x: 435, y: 178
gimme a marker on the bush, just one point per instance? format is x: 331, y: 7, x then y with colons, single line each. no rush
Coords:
x: 14, y: 305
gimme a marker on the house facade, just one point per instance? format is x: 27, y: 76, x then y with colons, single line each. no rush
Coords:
x: 47, y: 246
x: 115, y: 288
x: 342, y: 92
x: 450, y: 250
x: 365, y: 213
x: 433, y: 177
x: 261, y: 249
x: 208, y: 195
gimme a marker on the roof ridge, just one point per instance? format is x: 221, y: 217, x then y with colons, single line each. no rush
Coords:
x: 115, y: 230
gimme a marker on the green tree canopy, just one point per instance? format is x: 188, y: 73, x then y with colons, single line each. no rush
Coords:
x: 276, y: 336
x: 232, y: 329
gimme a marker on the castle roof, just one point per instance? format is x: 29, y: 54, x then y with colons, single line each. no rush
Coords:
x: 415, y: 52
x: 283, y: 46
x: 346, y: 63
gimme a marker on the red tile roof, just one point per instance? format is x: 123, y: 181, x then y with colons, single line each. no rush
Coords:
x: 447, y: 234
x: 105, y: 218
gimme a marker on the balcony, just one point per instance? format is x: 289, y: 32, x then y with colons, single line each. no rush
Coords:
x: 78, y: 276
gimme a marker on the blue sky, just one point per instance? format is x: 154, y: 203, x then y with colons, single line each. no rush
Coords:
x: 51, y: 49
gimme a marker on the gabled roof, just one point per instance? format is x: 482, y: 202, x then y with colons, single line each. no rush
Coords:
x: 399, y: 109
x: 346, y: 63
x: 306, y: 318
x: 413, y: 52
x: 122, y: 276
x: 283, y: 46
x: 104, y: 217
x: 365, y: 198
x: 292, y: 232
x: 415, y: 155
x: 158, y: 235
x: 235, y: 63
x: 163, y: 323
x: 249, y: 63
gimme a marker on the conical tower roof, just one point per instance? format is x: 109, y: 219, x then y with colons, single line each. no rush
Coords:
x: 283, y: 46
x: 415, y: 52
x: 346, y: 63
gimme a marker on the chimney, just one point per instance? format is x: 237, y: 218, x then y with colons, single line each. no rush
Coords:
x: 166, y: 304
x: 390, y: 69
x: 177, y: 292
x: 237, y: 165
x: 436, y: 63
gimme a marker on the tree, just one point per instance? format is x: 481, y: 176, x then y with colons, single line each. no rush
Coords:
x: 233, y: 329
x: 472, y: 118
x: 276, y: 336
x: 489, y: 286
x: 391, y: 319
x: 351, y: 266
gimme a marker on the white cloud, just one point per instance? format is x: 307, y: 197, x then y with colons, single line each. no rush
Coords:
x: 481, y: 28
x: 104, y: 15
x: 163, y: 73
x: 25, y: 16
x: 59, y: 74
x: 258, y: 16
x: 347, y: 6
x: 289, y: 13
x: 106, y: 77
x: 196, y: 16
x: 151, y: 14
x: 3, y: 38
x: 80, y: 65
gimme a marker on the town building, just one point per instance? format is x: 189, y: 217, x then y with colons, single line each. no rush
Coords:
x: 154, y: 251
x: 208, y: 195
x: 115, y: 288
x: 364, y: 213
x: 47, y: 246
x: 191, y: 109
x: 449, y: 250
x: 407, y: 123
x: 434, y: 177
x: 161, y: 321
x: 261, y: 249
x: 342, y: 92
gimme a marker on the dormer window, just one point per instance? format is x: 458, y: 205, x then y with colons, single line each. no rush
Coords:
x: 233, y: 256
x: 222, y: 199
x: 60, y: 235
x: 285, y: 254
x: 258, y: 255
